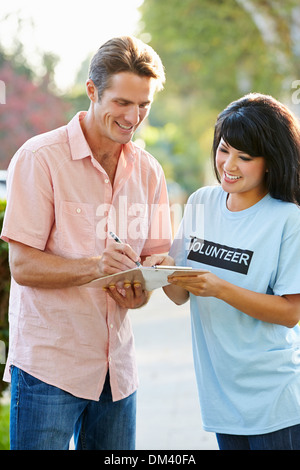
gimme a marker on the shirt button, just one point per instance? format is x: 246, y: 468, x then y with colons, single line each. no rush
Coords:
x: 78, y: 210
x: 106, y: 180
x: 111, y: 325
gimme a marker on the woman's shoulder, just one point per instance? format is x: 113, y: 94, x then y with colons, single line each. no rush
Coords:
x: 205, y: 194
x: 287, y: 215
x: 286, y: 209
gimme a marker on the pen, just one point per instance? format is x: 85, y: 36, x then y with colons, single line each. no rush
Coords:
x: 117, y: 239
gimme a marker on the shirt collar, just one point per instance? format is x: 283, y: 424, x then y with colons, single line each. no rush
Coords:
x: 79, y: 146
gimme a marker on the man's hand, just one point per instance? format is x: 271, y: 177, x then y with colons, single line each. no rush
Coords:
x: 117, y: 257
x: 130, y: 296
x: 156, y: 260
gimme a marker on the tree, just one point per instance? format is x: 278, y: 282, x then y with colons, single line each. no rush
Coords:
x: 214, y: 51
x: 29, y: 109
x: 279, y: 26
x: 32, y: 104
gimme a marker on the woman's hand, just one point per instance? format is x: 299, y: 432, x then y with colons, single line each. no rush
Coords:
x: 204, y: 284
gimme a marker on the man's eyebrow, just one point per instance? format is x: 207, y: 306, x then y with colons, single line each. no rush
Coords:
x: 125, y: 101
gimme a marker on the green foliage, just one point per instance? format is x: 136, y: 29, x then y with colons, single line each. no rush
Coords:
x: 33, y: 105
x: 4, y: 427
x: 213, y: 52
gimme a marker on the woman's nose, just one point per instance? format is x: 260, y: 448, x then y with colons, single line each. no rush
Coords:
x: 230, y: 163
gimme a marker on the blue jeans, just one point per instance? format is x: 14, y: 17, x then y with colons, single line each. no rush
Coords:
x: 283, y: 439
x: 44, y: 417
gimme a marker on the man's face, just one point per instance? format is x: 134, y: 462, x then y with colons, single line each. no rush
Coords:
x: 123, y: 106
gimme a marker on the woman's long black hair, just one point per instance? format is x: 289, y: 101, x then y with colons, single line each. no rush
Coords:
x: 261, y: 126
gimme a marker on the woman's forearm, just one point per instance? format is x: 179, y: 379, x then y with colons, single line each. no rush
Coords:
x: 282, y: 310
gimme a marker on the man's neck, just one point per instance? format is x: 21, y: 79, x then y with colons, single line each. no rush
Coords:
x: 105, y: 151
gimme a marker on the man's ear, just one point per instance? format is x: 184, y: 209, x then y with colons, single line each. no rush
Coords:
x: 91, y: 90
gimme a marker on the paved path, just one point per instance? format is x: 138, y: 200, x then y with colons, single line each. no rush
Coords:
x: 168, y: 415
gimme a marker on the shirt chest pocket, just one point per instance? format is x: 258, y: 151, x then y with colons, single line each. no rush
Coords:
x: 76, y: 228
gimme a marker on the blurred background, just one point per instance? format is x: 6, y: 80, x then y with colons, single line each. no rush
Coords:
x: 214, y: 51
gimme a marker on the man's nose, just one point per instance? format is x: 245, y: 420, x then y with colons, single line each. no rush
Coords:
x: 132, y: 115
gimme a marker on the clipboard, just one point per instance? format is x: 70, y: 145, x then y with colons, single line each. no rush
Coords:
x: 150, y: 277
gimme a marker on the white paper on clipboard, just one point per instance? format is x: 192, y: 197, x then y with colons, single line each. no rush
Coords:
x: 150, y: 277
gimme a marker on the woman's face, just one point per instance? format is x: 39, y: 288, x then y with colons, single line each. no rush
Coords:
x: 242, y: 176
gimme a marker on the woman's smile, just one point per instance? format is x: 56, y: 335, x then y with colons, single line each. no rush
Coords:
x: 242, y: 176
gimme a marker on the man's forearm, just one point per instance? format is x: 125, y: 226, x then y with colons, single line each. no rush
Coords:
x: 35, y: 268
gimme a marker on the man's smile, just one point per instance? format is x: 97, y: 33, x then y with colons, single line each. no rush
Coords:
x: 126, y: 128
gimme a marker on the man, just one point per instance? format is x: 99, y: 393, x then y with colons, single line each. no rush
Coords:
x: 71, y: 358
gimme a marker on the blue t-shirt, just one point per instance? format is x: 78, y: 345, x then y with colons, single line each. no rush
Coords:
x: 248, y: 371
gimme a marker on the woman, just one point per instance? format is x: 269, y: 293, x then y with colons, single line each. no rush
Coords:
x: 245, y: 306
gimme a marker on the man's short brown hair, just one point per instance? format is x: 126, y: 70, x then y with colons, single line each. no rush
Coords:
x: 125, y: 54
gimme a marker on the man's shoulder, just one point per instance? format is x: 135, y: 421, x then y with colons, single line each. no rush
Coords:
x: 47, y: 139
x: 146, y: 160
